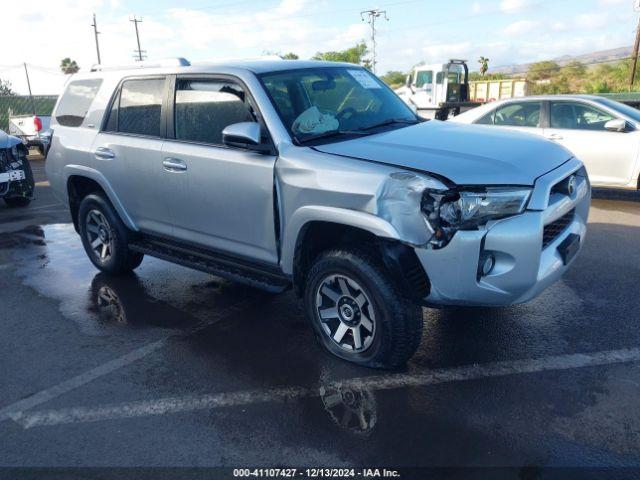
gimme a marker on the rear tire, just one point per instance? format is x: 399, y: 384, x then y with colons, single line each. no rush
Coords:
x: 17, y: 202
x: 104, y: 237
x: 358, y: 313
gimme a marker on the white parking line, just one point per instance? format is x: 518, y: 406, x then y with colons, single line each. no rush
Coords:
x: 376, y: 382
x: 10, y: 411
x: 82, y: 379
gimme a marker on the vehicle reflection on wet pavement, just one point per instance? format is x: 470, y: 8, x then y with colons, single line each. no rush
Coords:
x: 240, y: 380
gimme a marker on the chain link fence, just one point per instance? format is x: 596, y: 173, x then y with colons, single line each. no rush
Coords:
x: 24, y: 105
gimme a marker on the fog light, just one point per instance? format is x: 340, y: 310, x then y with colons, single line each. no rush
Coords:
x: 487, y: 265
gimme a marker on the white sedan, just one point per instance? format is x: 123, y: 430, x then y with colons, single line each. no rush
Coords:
x: 602, y: 133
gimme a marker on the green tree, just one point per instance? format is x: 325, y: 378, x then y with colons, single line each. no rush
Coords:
x: 354, y: 55
x: 68, y: 66
x: 484, y: 65
x: 290, y: 56
x: 542, y: 70
x: 394, y: 78
x: 5, y: 87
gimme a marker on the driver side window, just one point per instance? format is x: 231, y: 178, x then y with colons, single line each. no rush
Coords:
x: 521, y: 114
x: 577, y: 116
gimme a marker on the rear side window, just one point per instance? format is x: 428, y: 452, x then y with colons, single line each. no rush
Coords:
x: 205, y: 107
x: 75, y: 102
x: 525, y: 114
x: 137, y: 108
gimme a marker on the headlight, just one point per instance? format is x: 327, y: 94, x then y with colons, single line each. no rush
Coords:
x: 451, y: 210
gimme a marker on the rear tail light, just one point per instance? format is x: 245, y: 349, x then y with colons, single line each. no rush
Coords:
x: 37, y: 123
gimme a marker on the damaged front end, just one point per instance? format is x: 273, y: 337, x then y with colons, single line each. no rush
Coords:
x: 16, y: 178
x: 427, y: 213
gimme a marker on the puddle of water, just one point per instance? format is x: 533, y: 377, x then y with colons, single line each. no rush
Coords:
x: 51, y: 260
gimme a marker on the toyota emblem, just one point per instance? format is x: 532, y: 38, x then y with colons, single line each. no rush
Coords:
x: 571, y: 185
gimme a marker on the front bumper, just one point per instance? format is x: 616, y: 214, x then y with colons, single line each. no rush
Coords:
x: 525, y: 264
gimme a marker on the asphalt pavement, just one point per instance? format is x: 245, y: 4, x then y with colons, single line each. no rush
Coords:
x: 175, y: 368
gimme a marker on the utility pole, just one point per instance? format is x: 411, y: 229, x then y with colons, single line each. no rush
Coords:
x: 636, y: 45
x: 139, y: 52
x: 373, y: 15
x: 33, y: 102
x: 96, y: 33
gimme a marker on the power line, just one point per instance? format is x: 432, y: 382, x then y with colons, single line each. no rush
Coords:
x: 373, y: 15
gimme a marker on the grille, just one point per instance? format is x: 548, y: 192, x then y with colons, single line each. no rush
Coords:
x: 555, y: 228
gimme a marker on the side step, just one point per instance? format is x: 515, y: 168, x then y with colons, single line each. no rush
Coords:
x: 258, y: 276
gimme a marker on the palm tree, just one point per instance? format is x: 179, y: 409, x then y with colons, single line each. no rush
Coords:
x: 484, y: 65
x: 69, y: 66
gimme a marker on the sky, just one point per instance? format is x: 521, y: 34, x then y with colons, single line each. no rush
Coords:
x: 42, y: 32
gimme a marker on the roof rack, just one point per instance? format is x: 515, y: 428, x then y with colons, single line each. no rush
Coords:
x: 165, y: 62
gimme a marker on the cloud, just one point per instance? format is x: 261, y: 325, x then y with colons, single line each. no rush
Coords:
x: 522, y: 27
x: 513, y: 6
x: 591, y: 20
x: 476, y: 7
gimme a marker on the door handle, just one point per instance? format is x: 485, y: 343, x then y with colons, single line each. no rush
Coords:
x: 554, y: 136
x: 174, y: 165
x: 104, y: 153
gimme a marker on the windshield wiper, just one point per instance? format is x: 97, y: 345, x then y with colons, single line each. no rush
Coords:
x: 391, y: 121
x: 328, y: 134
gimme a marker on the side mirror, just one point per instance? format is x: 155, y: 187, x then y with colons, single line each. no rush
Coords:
x: 407, y: 81
x: 244, y: 135
x: 617, y: 125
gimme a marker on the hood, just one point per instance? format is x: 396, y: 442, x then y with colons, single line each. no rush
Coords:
x: 465, y: 154
x: 8, y: 141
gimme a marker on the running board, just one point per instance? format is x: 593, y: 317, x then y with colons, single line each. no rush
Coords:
x: 257, y: 276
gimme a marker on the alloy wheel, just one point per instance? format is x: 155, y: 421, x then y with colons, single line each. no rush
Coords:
x: 99, y: 234
x: 346, y: 313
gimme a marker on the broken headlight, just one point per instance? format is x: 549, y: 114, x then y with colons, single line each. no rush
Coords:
x: 448, y: 211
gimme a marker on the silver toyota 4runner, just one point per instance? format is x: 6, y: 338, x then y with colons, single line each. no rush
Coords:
x: 315, y: 176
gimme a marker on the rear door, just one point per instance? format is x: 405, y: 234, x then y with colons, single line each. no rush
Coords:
x: 579, y: 126
x: 222, y: 198
x: 128, y: 150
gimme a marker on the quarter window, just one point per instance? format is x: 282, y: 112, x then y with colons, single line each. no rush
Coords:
x: 522, y: 114
x: 577, y: 116
x: 75, y: 102
x: 138, y: 107
x: 204, y: 108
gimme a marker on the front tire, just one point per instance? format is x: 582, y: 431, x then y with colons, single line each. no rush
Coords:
x: 104, y: 237
x: 358, y: 313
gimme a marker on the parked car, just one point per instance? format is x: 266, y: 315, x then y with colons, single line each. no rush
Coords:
x: 604, y: 134
x: 16, y: 178
x: 31, y: 129
x: 316, y: 176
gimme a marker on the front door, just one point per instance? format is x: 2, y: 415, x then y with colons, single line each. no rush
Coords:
x: 608, y: 156
x: 222, y: 198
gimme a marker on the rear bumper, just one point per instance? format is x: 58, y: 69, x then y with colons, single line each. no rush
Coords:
x: 525, y: 263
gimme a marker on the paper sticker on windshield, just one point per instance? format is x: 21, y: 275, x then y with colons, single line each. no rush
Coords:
x: 364, y: 79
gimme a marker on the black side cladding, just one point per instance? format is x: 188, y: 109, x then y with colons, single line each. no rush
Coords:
x: 406, y: 269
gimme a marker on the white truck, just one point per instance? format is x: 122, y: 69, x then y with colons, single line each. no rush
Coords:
x: 32, y: 130
x: 438, y: 90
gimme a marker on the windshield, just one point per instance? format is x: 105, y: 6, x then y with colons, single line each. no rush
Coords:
x: 630, y: 112
x: 318, y: 102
